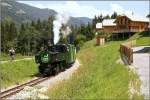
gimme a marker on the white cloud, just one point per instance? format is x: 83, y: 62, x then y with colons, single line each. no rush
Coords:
x: 120, y: 10
x: 73, y: 8
x: 77, y: 10
x: 117, y: 7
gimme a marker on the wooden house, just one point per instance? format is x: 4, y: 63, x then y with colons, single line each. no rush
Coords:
x: 130, y: 24
x: 107, y: 25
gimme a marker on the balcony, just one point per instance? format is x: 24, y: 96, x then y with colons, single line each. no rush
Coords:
x: 127, y: 30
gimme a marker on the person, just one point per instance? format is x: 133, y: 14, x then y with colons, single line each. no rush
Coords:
x: 12, y: 54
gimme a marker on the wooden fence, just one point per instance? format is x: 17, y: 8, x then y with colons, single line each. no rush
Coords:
x: 126, y: 51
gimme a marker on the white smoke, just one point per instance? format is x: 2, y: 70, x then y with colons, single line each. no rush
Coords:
x: 66, y: 31
x: 59, y: 20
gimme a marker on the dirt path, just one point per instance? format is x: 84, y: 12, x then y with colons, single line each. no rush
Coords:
x: 141, y: 64
x: 2, y: 62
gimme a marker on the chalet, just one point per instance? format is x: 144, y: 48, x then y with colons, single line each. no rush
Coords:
x: 107, y: 25
x: 130, y: 24
x: 124, y: 24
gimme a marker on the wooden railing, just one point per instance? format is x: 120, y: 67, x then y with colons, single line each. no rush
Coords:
x: 126, y: 51
x: 127, y: 30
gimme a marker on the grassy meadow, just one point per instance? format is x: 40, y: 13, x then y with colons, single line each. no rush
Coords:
x: 5, y: 57
x: 142, y: 38
x: 99, y: 76
x: 13, y: 73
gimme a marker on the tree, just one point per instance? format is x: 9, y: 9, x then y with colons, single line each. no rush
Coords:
x: 100, y: 18
x: 114, y: 15
x: 38, y: 25
x: 12, y: 31
x: 33, y: 23
x: 9, y: 34
x: 107, y: 17
x: 80, y: 39
x: 94, y: 21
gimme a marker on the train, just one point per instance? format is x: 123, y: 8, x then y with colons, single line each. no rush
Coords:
x: 55, y: 58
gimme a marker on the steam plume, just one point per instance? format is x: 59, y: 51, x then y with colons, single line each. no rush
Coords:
x: 60, y: 19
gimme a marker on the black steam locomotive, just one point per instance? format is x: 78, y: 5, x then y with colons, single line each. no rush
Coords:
x: 55, y: 58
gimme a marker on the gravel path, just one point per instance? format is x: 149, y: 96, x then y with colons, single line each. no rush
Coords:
x: 141, y: 64
x: 2, y: 62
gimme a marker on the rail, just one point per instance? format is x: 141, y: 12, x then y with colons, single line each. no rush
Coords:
x: 7, y: 93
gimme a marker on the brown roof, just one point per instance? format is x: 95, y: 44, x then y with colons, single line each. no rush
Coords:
x: 135, y: 18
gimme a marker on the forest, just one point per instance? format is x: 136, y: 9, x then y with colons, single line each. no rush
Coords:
x: 30, y: 36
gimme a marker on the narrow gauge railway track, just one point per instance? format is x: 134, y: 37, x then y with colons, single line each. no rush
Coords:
x: 9, y: 92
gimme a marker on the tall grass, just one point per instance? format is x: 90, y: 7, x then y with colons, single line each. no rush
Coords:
x: 13, y: 73
x: 99, y: 76
x: 5, y: 57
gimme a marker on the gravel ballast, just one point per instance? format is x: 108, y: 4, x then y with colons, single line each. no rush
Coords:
x: 38, y: 91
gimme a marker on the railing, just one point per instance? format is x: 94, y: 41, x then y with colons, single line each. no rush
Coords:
x: 126, y: 51
x: 126, y: 30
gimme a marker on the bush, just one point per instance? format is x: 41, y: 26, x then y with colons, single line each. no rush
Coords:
x: 102, y: 34
x: 80, y: 39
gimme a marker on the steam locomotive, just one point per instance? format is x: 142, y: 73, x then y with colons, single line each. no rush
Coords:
x: 55, y: 58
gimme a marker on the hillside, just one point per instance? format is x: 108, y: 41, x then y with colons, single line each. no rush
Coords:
x: 98, y: 77
x: 142, y: 38
x: 20, y: 12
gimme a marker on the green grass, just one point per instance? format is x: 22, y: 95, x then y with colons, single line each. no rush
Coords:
x: 5, y: 57
x: 99, y: 76
x: 142, y: 38
x: 13, y: 73
x: 144, y: 41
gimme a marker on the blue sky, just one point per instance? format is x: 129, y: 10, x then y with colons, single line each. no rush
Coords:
x: 91, y: 8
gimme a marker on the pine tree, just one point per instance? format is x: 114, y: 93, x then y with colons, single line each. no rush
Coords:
x: 100, y: 18
x: 33, y: 23
x: 107, y: 17
x: 114, y: 15
x: 38, y: 25
x: 12, y: 31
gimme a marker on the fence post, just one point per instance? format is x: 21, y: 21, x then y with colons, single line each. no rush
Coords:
x: 127, y: 51
x: 130, y: 58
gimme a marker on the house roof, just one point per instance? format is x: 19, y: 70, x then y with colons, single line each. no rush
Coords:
x: 106, y: 22
x: 109, y: 22
x: 98, y: 25
x: 136, y: 18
